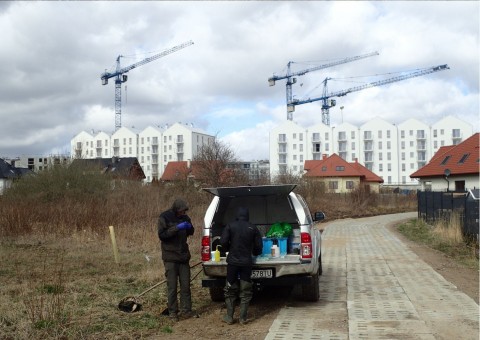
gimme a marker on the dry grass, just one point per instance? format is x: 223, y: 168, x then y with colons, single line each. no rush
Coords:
x: 59, y: 278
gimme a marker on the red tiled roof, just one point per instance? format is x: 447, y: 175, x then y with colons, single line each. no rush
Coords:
x: 176, y: 170
x: 460, y: 159
x: 179, y: 170
x: 335, y: 166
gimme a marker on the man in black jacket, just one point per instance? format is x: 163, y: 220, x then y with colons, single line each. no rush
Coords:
x: 242, y: 240
x: 174, y: 226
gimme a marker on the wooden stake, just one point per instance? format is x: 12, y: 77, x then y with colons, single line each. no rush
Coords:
x: 114, y: 244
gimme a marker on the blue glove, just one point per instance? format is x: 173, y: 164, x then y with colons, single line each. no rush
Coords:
x: 184, y: 225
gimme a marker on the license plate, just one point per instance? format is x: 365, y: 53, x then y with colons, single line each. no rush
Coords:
x: 262, y: 274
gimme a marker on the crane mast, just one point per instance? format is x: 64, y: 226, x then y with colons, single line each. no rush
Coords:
x: 327, y: 102
x: 290, y: 76
x: 121, y: 77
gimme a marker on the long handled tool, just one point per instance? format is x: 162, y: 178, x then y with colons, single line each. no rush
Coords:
x: 130, y: 304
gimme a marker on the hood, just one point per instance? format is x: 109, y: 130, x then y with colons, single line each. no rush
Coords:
x: 179, y: 205
x: 242, y: 214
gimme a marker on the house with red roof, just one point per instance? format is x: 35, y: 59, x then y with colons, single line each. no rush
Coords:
x: 452, y: 168
x: 340, y: 176
x: 194, y: 171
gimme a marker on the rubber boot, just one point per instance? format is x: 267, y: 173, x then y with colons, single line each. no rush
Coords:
x: 245, y: 297
x: 231, y: 292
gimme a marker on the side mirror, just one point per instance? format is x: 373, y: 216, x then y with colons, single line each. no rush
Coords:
x: 319, y: 216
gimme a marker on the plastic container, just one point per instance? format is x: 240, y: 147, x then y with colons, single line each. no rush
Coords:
x: 267, y: 245
x: 282, y: 244
x: 275, y: 251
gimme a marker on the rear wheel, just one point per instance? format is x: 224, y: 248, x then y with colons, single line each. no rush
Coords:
x: 311, y: 292
x: 216, y: 294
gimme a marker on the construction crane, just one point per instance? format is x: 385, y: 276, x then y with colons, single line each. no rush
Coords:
x: 327, y: 102
x: 291, y: 80
x: 121, y: 77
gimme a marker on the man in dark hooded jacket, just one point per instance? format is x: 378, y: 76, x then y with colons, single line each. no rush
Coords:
x: 174, y: 226
x: 242, y: 240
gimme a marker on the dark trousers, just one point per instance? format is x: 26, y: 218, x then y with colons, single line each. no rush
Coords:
x: 236, y: 272
x: 175, y: 272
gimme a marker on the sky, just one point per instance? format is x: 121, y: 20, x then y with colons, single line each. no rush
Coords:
x: 52, y: 55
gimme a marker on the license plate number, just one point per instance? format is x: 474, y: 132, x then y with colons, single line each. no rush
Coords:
x: 262, y: 274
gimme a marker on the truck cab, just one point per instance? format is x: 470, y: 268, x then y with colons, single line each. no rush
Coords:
x: 299, y: 263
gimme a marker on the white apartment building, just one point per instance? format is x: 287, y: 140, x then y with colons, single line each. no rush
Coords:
x: 391, y: 151
x: 153, y: 147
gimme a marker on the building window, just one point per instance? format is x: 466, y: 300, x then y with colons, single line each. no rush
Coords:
x: 403, y: 156
x: 403, y: 166
x: 300, y: 147
x: 388, y: 133
x: 403, y: 145
x: 389, y: 167
x: 282, y: 137
x: 411, y: 132
x: 301, y: 158
x: 300, y: 136
x: 389, y: 145
x: 380, y: 156
x: 327, y: 147
x: 315, y: 137
x: 435, y: 144
x: 294, y: 157
x: 389, y: 179
x: 441, y: 132
x: 339, y: 168
x: 404, y: 179
x: 353, y: 145
x: 402, y: 133
x: 379, y: 133
x: 435, y: 133
x: 124, y: 141
x: 326, y: 135
x: 464, y: 158
x: 294, y: 136
x: 349, y: 184
x: 353, y: 134
x: 294, y: 146
x: 380, y: 167
x: 379, y: 145
x: 445, y: 160
x: 316, y: 147
x: 333, y: 185
x: 324, y: 168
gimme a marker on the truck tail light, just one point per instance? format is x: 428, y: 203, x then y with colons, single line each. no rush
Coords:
x: 206, y: 248
x: 306, y: 250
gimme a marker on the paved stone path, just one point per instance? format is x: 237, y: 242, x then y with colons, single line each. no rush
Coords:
x: 374, y: 287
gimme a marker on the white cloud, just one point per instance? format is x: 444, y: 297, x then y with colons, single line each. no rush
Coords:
x: 52, y: 55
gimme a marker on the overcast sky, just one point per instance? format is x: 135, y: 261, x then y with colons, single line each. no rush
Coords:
x: 53, y: 53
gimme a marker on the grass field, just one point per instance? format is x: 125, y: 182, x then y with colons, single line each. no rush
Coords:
x: 59, y: 276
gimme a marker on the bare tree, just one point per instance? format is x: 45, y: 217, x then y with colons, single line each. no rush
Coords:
x: 213, y: 164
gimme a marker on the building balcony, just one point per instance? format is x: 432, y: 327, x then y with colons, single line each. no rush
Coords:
x: 282, y: 141
x: 368, y: 136
x: 421, y: 136
x: 282, y: 151
x: 421, y: 147
x: 457, y: 136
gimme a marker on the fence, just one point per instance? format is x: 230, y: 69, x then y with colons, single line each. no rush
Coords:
x: 433, y: 206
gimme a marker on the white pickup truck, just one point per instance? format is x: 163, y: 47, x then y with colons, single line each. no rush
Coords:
x: 300, y: 263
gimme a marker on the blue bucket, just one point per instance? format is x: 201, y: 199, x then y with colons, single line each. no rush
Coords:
x: 282, y: 244
x: 267, y: 246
